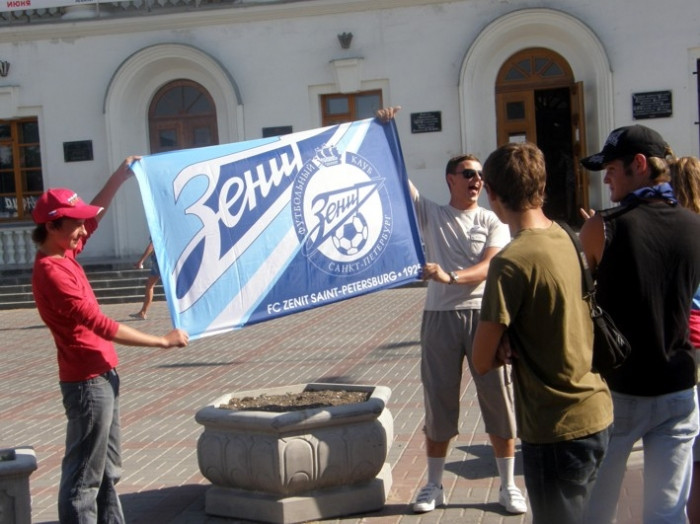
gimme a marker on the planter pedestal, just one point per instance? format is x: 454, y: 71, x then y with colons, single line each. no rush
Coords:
x: 300, y: 465
x: 312, y: 505
x: 16, y: 464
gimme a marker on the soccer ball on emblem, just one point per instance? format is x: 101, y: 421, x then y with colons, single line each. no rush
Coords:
x: 351, y: 236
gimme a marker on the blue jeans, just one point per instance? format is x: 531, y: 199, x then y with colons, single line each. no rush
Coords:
x: 667, y: 425
x: 92, y: 464
x: 559, y: 477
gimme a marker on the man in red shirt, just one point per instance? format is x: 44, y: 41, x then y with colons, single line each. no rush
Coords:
x: 87, y: 358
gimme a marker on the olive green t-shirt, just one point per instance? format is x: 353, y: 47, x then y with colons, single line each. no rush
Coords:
x: 534, y: 287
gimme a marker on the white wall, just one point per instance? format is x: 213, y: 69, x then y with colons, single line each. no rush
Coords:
x: 279, y: 56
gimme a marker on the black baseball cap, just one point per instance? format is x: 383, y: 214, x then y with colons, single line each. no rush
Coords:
x: 624, y: 141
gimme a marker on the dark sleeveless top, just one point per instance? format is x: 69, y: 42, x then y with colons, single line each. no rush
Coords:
x: 646, y: 279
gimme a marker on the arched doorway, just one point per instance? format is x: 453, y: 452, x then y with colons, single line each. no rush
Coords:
x: 526, y: 29
x: 538, y: 100
x: 127, y: 105
x: 182, y: 115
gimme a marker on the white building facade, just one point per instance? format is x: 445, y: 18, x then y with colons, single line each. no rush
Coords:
x: 84, y: 86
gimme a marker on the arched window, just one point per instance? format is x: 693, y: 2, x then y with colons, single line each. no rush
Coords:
x: 182, y: 115
x: 534, y: 67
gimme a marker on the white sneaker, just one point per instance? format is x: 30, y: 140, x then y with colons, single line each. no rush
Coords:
x: 512, y: 499
x: 429, y: 496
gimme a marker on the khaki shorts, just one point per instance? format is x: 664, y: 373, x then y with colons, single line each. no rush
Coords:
x: 446, y: 339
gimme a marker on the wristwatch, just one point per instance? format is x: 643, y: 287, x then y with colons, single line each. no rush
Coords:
x: 453, y: 277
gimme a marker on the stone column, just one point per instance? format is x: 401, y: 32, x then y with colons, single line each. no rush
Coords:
x: 16, y: 464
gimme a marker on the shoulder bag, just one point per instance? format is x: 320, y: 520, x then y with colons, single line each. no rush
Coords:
x: 610, y: 347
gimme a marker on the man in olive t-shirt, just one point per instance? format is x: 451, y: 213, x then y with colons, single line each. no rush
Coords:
x: 533, y: 314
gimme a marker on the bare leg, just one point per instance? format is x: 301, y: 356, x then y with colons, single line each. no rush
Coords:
x: 502, y: 447
x: 436, y: 449
x: 148, y: 297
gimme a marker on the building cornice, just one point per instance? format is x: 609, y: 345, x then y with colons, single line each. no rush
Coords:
x: 197, y: 17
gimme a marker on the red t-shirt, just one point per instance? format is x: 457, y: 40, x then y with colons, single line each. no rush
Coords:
x: 68, y: 306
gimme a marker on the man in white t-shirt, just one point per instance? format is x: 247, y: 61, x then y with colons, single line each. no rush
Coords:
x: 460, y: 239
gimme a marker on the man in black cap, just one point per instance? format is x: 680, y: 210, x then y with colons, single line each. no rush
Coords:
x: 645, y: 255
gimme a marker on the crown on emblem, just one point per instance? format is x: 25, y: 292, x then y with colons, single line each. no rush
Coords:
x: 328, y: 155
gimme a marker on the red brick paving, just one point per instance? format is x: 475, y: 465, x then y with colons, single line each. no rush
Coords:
x: 370, y: 340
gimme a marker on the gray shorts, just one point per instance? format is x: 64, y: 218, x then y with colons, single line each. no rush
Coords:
x: 446, y: 339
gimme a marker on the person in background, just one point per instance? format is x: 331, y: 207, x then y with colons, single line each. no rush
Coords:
x: 645, y: 256
x: 151, y: 282
x: 460, y: 239
x: 87, y: 359
x: 533, y: 313
x: 685, y: 179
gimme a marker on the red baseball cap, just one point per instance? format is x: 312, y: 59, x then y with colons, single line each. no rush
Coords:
x: 61, y: 202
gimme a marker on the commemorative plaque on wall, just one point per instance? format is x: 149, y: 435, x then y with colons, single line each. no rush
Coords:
x: 654, y: 104
x: 78, y: 151
x: 426, y: 122
x: 276, y: 131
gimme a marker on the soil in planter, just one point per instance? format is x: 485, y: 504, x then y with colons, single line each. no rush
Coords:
x: 297, y: 401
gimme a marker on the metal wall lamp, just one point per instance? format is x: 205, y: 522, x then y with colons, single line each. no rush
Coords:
x: 345, y: 40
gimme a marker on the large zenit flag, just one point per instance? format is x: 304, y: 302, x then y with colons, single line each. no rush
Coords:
x: 251, y: 231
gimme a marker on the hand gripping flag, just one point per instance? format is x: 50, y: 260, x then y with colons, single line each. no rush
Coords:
x: 255, y: 230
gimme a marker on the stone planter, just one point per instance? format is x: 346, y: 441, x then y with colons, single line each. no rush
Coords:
x: 296, y: 466
x: 16, y: 464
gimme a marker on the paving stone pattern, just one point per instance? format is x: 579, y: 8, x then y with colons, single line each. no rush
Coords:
x: 372, y: 339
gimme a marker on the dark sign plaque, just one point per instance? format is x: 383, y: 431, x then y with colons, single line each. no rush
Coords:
x: 654, y: 104
x: 77, y: 151
x: 427, y: 122
x: 276, y: 131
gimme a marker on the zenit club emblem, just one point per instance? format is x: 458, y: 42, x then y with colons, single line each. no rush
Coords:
x: 342, y: 214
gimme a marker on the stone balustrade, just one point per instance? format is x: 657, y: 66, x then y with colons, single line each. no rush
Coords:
x: 16, y: 246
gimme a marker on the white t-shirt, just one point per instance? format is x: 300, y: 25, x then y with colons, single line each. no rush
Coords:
x: 456, y: 240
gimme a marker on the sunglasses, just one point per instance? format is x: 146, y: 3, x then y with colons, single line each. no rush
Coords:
x: 471, y: 173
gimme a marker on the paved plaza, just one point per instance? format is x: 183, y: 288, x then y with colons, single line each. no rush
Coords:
x: 372, y: 339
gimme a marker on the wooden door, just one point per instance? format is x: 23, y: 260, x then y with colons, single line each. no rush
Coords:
x: 578, y: 133
x: 516, y: 117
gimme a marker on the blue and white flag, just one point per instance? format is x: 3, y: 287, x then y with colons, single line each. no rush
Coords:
x: 255, y: 230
